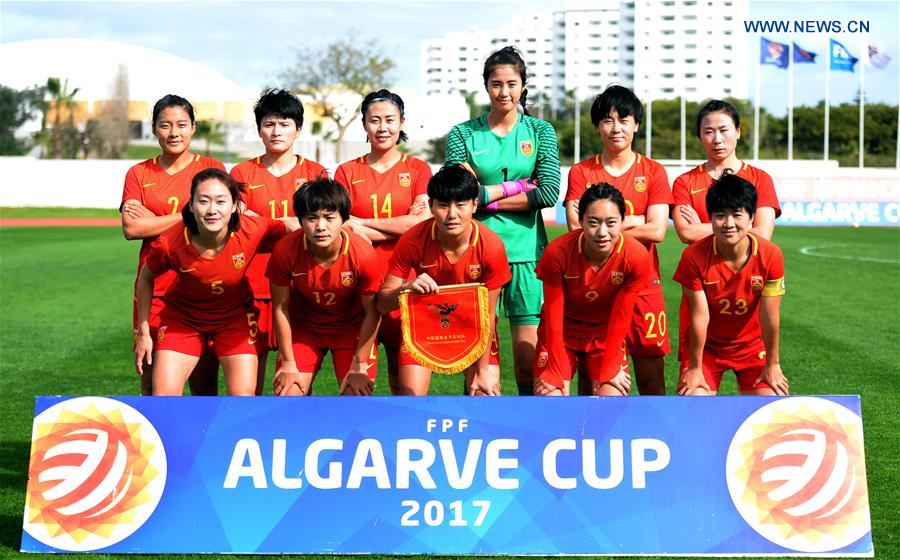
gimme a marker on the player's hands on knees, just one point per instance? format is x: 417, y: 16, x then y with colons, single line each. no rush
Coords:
x: 485, y: 383
x: 288, y: 381
x: 773, y: 375
x: 621, y: 383
x: 357, y: 384
x: 543, y: 389
x: 143, y: 351
x: 689, y: 214
x: 691, y: 379
x: 423, y: 284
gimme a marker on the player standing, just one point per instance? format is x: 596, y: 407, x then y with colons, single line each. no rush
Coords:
x: 719, y: 129
x: 617, y: 113
x: 323, y: 283
x: 450, y: 248
x: 154, y: 194
x: 388, y: 195
x: 508, y: 150
x: 732, y: 282
x: 591, y: 279
x: 210, y: 300
x: 270, y: 181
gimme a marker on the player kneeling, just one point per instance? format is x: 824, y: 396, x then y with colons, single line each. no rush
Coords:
x: 210, y: 299
x: 591, y: 278
x: 450, y: 248
x: 323, y: 280
x: 732, y: 282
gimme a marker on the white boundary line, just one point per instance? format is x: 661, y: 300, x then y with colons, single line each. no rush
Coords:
x: 810, y: 251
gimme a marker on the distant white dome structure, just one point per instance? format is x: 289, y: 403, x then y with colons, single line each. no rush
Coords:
x: 91, y: 65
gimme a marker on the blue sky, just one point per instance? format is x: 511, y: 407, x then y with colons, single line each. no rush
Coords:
x: 252, y: 42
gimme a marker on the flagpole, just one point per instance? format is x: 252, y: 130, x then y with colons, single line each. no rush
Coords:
x: 756, y: 115
x: 863, y: 58
x: 791, y: 104
x: 827, y: 97
x: 649, y: 125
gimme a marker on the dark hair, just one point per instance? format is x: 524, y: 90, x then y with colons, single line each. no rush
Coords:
x: 172, y: 100
x: 234, y: 188
x: 620, y: 98
x: 322, y: 194
x: 452, y: 183
x: 511, y: 56
x: 385, y: 95
x: 601, y: 191
x: 731, y: 192
x: 718, y: 106
x: 278, y: 103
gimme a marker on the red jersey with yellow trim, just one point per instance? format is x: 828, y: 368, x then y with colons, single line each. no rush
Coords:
x: 271, y: 196
x: 419, y: 250
x: 326, y: 300
x: 590, y: 292
x: 733, y: 297
x: 383, y: 195
x: 690, y: 189
x: 643, y: 185
x: 162, y: 194
x: 207, y: 291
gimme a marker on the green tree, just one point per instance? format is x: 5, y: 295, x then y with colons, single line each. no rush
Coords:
x: 16, y: 108
x: 211, y: 132
x: 346, y: 65
x: 63, y: 140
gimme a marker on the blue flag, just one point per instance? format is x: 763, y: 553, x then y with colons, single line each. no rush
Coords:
x: 841, y: 59
x: 771, y: 52
x: 802, y: 55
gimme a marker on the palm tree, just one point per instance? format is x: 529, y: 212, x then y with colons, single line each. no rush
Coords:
x: 60, y: 98
x: 211, y: 132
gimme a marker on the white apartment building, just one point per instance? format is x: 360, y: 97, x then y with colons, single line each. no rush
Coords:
x: 660, y: 48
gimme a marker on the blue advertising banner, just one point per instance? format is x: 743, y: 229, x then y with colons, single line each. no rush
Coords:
x: 839, y: 213
x: 449, y: 475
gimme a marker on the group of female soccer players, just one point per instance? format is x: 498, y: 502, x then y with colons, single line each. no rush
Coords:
x: 277, y: 255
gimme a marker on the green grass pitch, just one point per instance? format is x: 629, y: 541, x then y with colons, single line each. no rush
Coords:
x: 65, y: 304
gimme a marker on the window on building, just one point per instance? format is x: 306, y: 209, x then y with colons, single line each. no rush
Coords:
x: 668, y: 90
x: 690, y: 75
x: 668, y: 18
x: 690, y: 31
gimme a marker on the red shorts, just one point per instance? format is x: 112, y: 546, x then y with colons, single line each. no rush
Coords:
x: 580, y: 350
x: 389, y: 332
x: 649, y: 334
x: 237, y: 335
x: 747, y: 364
x: 406, y: 360
x: 266, y: 338
x: 156, y: 307
x: 310, y: 348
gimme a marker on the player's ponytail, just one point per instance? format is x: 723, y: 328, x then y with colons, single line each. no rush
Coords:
x: 511, y: 56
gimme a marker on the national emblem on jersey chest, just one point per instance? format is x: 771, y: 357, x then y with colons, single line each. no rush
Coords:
x: 617, y: 277
x: 238, y: 261
x: 756, y: 283
x: 299, y: 182
x: 474, y: 271
x: 640, y: 184
x: 526, y: 147
x: 347, y: 278
x: 405, y: 180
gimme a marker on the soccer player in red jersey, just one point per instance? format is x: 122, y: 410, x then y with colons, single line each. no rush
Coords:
x: 388, y: 195
x: 270, y: 181
x: 323, y: 282
x: 210, y: 299
x: 449, y: 248
x: 617, y: 113
x: 591, y: 279
x: 719, y: 129
x: 732, y: 282
x: 154, y: 194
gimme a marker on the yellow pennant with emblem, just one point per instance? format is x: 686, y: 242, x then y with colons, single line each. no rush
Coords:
x: 447, y: 331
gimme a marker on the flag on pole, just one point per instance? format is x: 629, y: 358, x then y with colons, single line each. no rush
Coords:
x: 841, y: 59
x: 877, y: 58
x: 803, y: 56
x: 773, y: 53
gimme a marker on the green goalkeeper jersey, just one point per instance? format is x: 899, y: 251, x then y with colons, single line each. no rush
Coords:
x: 529, y: 151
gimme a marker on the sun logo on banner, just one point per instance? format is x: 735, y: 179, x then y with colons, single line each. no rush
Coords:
x: 797, y: 475
x: 97, y: 473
